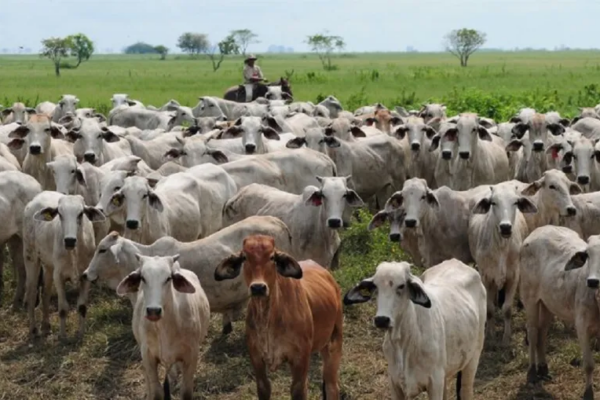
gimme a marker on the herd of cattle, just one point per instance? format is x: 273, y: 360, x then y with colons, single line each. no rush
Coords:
x: 189, y: 211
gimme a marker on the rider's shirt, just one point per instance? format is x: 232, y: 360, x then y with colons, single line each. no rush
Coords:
x: 252, y: 72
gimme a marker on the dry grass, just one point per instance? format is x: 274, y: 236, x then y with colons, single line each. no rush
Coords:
x: 106, y: 363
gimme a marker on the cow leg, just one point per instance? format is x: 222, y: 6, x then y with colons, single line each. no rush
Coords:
x: 397, y: 393
x: 46, y: 294
x: 263, y: 385
x: 335, y: 261
x: 587, y: 358
x: 532, y: 314
x: 187, y: 382
x: 510, y: 289
x: 299, y: 369
x: 436, y: 387
x: 227, y: 325
x: 82, y: 300
x: 32, y: 269
x: 1, y: 272
x: 491, y: 309
x: 545, y: 319
x: 467, y: 380
x: 63, y: 305
x: 15, y: 246
x: 150, y: 363
x: 332, y: 357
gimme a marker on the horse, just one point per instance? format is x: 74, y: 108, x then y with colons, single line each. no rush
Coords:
x: 238, y: 93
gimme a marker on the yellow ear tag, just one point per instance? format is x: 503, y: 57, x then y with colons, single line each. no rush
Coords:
x: 48, y: 216
x: 116, y: 201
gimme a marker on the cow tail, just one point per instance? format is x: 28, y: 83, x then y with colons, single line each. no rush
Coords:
x: 458, y: 384
x: 167, y: 387
x: 324, y: 391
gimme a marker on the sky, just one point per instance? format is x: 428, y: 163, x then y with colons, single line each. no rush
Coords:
x: 380, y: 25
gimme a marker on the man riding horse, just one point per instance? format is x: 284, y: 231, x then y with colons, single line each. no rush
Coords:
x: 255, y: 85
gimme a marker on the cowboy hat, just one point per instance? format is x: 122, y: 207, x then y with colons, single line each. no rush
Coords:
x: 250, y: 57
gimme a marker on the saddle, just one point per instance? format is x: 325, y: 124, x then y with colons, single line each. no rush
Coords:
x: 249, y: 88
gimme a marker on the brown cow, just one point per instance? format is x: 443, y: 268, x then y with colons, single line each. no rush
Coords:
x: 294, y: 311
x: 383, y: 120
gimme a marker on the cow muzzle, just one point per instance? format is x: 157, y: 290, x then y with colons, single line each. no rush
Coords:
x: 88, y: 277
x: 132, y: 224
x: 395, y: 237
x: 153, y: 313
x: 89, y: 157
x: 250, y: 148
x: 382, y: 322
x: 567, y: 169
x: 415, y: 146
x: 446, y: 155
x: 70, y: 243
x: 583, y: 179
x: 334, y: 223
x: 538, y: 146
x: 505, y: 230
x: 593, y: 283
x: 258, y: 289
x: 464, y: 155
x: 410, y: 223
x: 35, y: 149
x: 571, y: 211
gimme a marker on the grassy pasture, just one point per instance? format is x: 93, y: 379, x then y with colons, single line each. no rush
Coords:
x: 106, y: 364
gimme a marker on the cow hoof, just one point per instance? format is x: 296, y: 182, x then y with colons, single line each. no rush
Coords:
x: 588, y: 394
x: 46, y: 330
x: 227, y: 329
x: 543, y: 373
x: 532, y: 376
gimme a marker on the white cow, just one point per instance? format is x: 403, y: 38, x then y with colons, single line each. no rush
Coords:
x: 434, y: 327
x: 45, y: 107
x: 96, y: 144
x: 66, y: 104
x: 58, y: 234
x: 148, y: 119
x: 153, y: 151
x: 170, y: 319
x: 18, y: 113
x: 312, y: 216
x: 250, y: 133
x: 422, y: 161
x: 42, y: 137
x: 115, y: 258
x: 561, y: 278
x: 497, y: 229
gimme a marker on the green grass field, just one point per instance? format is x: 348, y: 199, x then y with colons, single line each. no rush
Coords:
x: 106, y: 364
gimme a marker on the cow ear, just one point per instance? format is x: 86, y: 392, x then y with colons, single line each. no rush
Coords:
x: 219, y: 156
x: 378, y: 220
x: 416, y: 293
x: 483, y: 206
x: 230, y: 267
x: 526, y: 206
x: 396, y: 200
x: 47, y: 214
x: 432, y: 199
x: 564, y: 122
x: 402, y: 111
x: 396, y: 121
x: 19, y: 133
x: 130, y: 284
x: 486, y: 124
x: 400, y: 133
x: 574, y: 121
x: 314, y: 198
x: 272, y: 123
x: 16, y: 144
x: 116, y: 202
x: 270, y: 133
x: 577, y: 261
x: 514, y: 145
x: 533, y: 187
x: 357, y: 132
x: 519, y: 130
x: 6, y: 111
x: 287, y: 266
x: 370, y: 121
x: 80, y: 177
x: 192, y: 130
x: 360, y: 293
x: 109, y: 136
x: 575, y: 189
x: 56, y: 133
x: 100, y: 117
x: 155, y: 201
x: 231, y: 132
x: 450, y: 134
x: 296, y: 143
x: 429, y: 131
x: 94, y: 215
x: 515, y: 120
x: 180, y: 282
x: 435, y: 142
x: 484, y: 134
x: 556, y: 129
x: 73, y: 135
x: 173, y: 154
x: 353, y: 199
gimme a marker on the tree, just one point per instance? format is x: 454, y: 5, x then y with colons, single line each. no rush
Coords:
x: 55, y: 49
x: 464, y: 42
x: 81, y: 47
x: 229, y: 46
x: 244, y: 38
x: 140, y: 48
x: 162, y: 50
x: 193, y: 43
x: 324, y: 45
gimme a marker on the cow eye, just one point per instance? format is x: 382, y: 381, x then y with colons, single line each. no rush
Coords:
x: 493, y: 203
x: 145, y: 196
x: 100, y: 136
x: 142, y: 279
x: 400, y: 287
x: 101, y: 251
x: 72, y: 171
x: 117, y: 188
x: 423, y: 197
x: 169, y: 279
x: 552, y: 187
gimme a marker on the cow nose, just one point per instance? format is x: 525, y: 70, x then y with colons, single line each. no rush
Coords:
x: 153, y: 313
x: 395, y: 237
x: 583, y: 179
x: 258, y: 289
x: 505, y: 229
x: 593, y: 283
x: 415, y: 146
x: 132, y: 224
x: 446, y: 155
x: 567, y: 169
x: 464, y: 155
x: 19, y: 122
x: 571, y: 211
x: 70, y: 242
x: 538, y: 146
x: 410, y: 223
x: 35, y: 149
x: 382, y: 322
x: 89, y: 157
x: 334, y: 223
x: 250, y: 148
